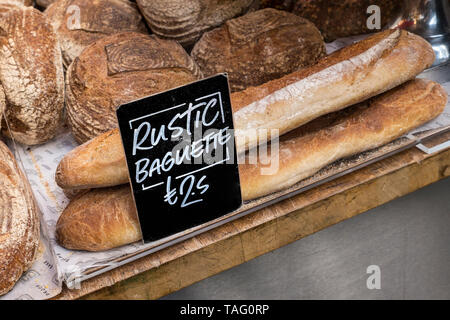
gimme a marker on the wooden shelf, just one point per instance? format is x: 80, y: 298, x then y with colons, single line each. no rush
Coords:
x: 236, y: 242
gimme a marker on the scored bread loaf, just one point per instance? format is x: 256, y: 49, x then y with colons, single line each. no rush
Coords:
x: 100, y: 219
x: 79, y: 23
x: 186, y: 20
x: 19, y: 222
x: 118, y: 69
x: 31, y: 75
x: 302, y: 153
x: 348, y: 76
x: 259, y: 46
x: 337, y: 19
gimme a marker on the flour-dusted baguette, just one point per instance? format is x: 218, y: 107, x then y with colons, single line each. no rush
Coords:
x: 79, y: 23
x: 348, y: 76
x: 118, y: 69
x: 99, y: 162
x: 98, y: 220
x: 31, y: 75
x: 258, y: 47
x: 19, y: 222
x: 107, y: 216
x: 372, y: 124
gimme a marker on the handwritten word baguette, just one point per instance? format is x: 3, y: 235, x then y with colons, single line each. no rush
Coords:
x: 346, y: 77
x: 19, y: 222
x: 107, y: 216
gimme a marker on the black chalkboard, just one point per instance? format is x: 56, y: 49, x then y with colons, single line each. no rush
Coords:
x: 179, y: 146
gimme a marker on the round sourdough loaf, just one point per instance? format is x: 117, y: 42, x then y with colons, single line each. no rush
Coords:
x: 258, y: 47
x: 31, y: 76
x: 19, y: 222
x: 186, y: 20
x: 118, y: 69
x: 337, y: 19
x: 78, y: 23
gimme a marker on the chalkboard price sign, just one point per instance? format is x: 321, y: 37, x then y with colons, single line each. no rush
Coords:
x: 181, y: 157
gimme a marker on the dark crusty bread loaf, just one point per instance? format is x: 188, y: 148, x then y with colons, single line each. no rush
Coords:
x: 118, y: 69
x: 31, y: 75
x: 98, y: 220
x: 19, y: 222
x: 336, y: 19
x: 186, y: 20
x: 107, y: 216
x: 258, y: 47
x: 97, y: 19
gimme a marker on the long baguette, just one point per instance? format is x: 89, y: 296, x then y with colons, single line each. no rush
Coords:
x: 103, y: 218
x: 346, y: 77
x: 369, y: 125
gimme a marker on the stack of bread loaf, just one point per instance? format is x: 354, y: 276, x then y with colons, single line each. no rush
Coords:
x: 87, y: 57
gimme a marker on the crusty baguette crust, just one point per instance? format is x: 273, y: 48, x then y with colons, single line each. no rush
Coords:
x: 19, y: 222
x: 106, y: 217
x: 99, y: 162
x: 348, y: 76
x: 375, y: 123
x: 98, y: 220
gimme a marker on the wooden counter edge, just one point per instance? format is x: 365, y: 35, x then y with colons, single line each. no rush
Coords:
x: 268, y: 229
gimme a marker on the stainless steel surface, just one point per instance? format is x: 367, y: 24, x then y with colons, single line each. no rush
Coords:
x: 431, y: 20
x: 408, y: 238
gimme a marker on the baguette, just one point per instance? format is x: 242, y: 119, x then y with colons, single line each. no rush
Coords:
x: 98, y: 220
x: 370, y: 124
x: 346, y: 77
x: 303, y: 152
x: 19, y: 222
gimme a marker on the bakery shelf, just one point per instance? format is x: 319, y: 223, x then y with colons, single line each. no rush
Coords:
x: 270, y: 228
